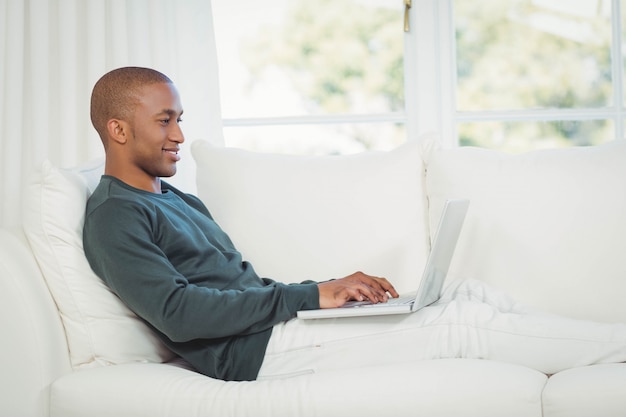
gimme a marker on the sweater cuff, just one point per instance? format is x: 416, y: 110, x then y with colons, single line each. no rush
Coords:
x: 305, y: 296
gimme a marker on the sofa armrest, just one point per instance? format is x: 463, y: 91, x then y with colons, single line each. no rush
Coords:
x: 34, y: 350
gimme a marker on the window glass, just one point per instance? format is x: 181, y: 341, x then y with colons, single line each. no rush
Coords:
x: 288, y: 58
x: 527, y: 135
x: 524, y: 54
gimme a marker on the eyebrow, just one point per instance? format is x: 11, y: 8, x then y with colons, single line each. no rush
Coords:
x: 170, y: 112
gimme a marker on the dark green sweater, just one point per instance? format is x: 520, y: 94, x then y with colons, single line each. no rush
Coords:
x: 166, y: 258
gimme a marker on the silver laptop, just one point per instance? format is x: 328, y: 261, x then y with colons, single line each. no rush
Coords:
x: 434, y: 275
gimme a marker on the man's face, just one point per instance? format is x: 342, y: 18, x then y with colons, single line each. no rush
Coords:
x: 156, y: 133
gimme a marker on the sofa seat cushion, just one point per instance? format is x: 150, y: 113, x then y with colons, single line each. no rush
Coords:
x: 100, y: 329
x: 447, y: 387
x: 598, y: 390
x: 320, y: 217
x: 547, y: 226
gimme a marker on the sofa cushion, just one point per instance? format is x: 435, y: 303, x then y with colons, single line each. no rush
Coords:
x: 320, y: 217
x: 545, y: 226
x: 444, y: 388
x: 596, y: 390
x: 99, y: 328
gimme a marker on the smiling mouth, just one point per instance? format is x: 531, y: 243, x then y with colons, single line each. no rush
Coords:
x: 173, y: 153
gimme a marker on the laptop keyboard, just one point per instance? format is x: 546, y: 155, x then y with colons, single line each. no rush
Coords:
x: 407, y: 299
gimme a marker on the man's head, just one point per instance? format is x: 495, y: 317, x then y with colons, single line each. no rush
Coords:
x: 116, y: 95
x: 136, y: 112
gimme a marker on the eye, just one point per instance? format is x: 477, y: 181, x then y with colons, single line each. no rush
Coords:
x: 179, y: 120
x: 164, y: 121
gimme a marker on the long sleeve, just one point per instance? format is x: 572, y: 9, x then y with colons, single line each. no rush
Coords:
x: 174, y: 267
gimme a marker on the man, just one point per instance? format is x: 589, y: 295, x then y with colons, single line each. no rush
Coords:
x: 161, y: 252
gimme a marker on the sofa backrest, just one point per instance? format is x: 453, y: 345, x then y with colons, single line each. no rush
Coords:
x: 34, y: 349
x: 320, y: 217
x: 548, y: 227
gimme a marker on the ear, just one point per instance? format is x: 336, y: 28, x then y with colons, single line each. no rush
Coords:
x: 118, y: 130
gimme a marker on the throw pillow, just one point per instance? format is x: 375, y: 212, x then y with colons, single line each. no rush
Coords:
x: 100, y: 330
x: 320, y: 217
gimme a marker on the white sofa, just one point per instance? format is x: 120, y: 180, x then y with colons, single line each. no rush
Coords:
x: 548, y: 227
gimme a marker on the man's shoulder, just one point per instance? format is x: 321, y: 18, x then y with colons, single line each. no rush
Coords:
x: 107, y: 188
x: 117, y: 212
x: 112, y: 193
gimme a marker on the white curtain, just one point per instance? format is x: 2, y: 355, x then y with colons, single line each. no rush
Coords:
x: 53, y: 51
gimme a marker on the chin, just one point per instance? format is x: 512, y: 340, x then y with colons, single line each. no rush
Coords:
x: 169, y: 172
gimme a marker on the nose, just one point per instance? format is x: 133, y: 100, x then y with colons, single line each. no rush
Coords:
x: 176, y: 134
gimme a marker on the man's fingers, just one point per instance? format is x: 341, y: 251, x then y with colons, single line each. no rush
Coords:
x: 387, y: 287
x: 379, y: 284
x: 357, y: 286
x: 375, y: 294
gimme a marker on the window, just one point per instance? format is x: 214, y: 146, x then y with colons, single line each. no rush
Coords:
x: 518, y: 75
x: 321, y: 76
x: 341, y: 76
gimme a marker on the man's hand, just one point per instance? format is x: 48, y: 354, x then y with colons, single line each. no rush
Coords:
x: 355, y: 287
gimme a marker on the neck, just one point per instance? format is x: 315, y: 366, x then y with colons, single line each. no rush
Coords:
x: 139, y: 180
